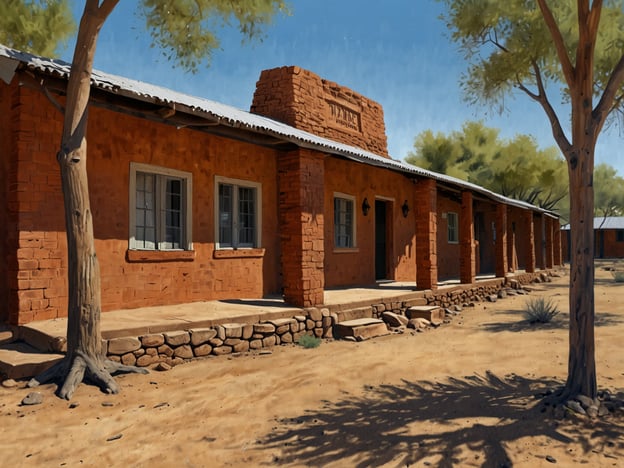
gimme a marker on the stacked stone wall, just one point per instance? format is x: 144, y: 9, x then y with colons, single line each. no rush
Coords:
x: 176, y: 347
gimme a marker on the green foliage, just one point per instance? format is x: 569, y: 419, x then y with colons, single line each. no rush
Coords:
x: 540, y: 309
x: 506, y: 42
x: 618, y: 276
x: 516, y: 168
x: 609, y: 192
x: 36, y: 26
x: 185, y: 29
x: 309, y: 341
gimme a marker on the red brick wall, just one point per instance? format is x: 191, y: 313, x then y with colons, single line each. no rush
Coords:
x: 485, y: 256
x: 427, y: 229
x: 517, y: 218
x: 612, y: 248
x: 37, y: 269
x: 448, y: 253
x: 303, y: 100
x: 301, y: 221
x: 7, y: 227
x: 357, y: 266
x: 115, y: 140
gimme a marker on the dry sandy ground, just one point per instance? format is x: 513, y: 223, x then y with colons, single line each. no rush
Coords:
x: 461, y: 395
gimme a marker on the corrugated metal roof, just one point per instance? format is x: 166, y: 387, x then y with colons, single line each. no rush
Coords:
x: 236, y: 118
x: 602, y: 223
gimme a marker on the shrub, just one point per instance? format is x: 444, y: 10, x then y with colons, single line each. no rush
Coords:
x: 540, y: 309
x: 618, y: 276
x: 308, y: 341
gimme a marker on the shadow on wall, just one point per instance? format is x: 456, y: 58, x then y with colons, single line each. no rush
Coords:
x: 415, y: 421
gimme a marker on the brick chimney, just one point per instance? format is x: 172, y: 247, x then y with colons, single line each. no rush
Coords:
x: 303, y: 100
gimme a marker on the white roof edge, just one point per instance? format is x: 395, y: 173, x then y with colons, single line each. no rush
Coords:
x: 233, y: 117
x: 602, y: 223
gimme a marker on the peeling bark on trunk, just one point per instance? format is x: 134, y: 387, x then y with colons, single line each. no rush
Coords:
x: 84, y: 359
x: 581, y: 361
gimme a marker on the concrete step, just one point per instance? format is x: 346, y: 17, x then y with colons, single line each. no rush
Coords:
x: 434, y: 314
x: 361, y: 329
x: 19, y: 360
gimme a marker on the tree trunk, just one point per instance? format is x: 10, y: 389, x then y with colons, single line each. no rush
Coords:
x: 84, y: 357
x: 581, y: 361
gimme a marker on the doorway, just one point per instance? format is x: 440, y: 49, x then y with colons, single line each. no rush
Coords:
x: 382, y: 239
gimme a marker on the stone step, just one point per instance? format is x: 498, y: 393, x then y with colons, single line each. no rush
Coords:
x: 434, y: 314
x: 361, y: 329
x: 7, y: 334
x: 19, y: 360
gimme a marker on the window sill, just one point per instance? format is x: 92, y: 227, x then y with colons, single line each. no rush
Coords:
x: 160, y: 255
x: 346, y: 250
x: 239, y: 253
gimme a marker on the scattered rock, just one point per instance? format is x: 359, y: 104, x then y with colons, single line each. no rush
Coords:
x: 115, y: 437
x: 576, y: 407
x: 492, y: 297
x: 585, y: 401
x: 73, y: 405
x: 9, y: 383
x: 550, y: 459
x: 163, y: 366
x: 394, y: 320
x: 161, y: 405
x: 107, y: 404
x: 33, y: 398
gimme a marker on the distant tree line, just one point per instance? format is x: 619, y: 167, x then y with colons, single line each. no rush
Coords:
x: 514, y: 167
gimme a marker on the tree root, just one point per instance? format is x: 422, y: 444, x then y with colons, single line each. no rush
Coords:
x: 82, y: 367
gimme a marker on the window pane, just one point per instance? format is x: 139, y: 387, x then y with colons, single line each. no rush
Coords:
x: 226, y: 216
x: 246, y: 216
x: 451, y: 219
x: 144, y: 211
x: 173, y: 216
x: 343, y: 222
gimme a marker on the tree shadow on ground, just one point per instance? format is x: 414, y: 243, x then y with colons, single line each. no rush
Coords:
x: 418, y: 421
x: 559, y: 322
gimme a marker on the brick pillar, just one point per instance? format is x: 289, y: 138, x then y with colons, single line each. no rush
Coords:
x: 529, y: 241
x: 467, y: 258
x: 557, y: 257
x: 502, y: 265
x: 301, y: 186
x: 426, y: 226
x: 549, y: 242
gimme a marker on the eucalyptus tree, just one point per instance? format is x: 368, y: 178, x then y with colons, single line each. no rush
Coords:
x: 609, y: 196
x: 184, y: 30
x: 514, y: 167
x: 36, y: 26
x: 554, y: 51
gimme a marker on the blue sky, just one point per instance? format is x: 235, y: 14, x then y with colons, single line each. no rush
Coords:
x: 396, y: 52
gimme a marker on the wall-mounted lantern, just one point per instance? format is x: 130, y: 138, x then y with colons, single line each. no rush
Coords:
x: 405, y: 209
x: 365, y: 207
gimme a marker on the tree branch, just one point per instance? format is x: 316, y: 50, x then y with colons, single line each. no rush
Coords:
x: 608, y: 98
x: 542, y: 99
x: 566, y: 65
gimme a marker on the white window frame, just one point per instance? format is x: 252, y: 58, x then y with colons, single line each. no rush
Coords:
x: 237, y: 183
x: 452, y: 231
x: 187, y: 205
x: 351, y: 198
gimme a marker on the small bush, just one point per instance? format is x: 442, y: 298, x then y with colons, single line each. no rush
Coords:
x: 618, y: 276
x: 308, y: 341
x: 540, y: 309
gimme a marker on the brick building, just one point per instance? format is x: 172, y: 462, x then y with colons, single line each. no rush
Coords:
x: 608, y: 238
x: 194, y: 200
